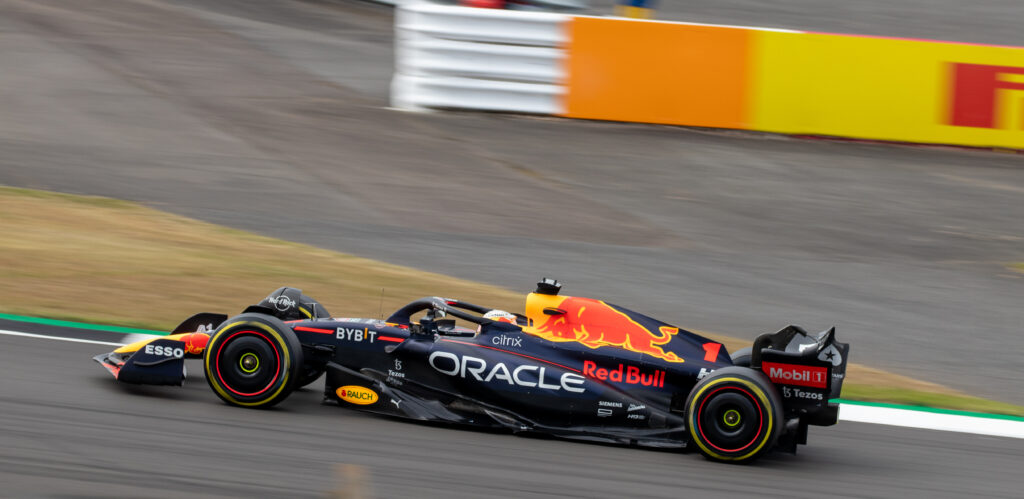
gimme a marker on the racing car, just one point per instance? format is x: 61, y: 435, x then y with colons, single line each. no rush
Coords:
x: 568, y: 366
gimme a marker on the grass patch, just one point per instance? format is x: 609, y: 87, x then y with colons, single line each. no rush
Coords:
x: 106, y: 261
x: 70, y: 198
x: 871, y: 393
x: 120, y: 263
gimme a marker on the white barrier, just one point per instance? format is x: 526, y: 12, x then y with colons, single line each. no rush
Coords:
x: 483, y: 59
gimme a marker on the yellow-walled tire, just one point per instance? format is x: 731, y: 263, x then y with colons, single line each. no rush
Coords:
x: 734, y: 415
x: 253, y: 360
x: 309, y: 374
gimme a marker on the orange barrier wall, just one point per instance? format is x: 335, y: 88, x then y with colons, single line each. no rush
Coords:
x: 796, y: 83
x: 654, y: 72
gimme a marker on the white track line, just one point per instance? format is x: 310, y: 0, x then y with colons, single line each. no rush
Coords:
x: 133, y: 337
x: 58, y: 338
x: 979, y: 425
x: 855, y: 413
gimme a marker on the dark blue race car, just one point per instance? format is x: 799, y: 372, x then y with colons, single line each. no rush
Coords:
x: 569, y: 366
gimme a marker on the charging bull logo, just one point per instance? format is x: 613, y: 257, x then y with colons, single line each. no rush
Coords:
x: 195, y: 343
x: 595, y: 324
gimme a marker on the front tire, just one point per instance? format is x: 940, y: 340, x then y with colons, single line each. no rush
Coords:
x: 253, y: 360
x: 734, y: 415
x: 308, y: 375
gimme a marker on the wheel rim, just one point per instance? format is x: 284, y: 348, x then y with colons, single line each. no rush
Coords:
x: 730, y: 419
x: 248, y: 363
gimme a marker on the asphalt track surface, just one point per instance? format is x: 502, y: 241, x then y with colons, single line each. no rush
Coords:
x: 71, y: 431
x: 269, y: 116
x: 993, y: 22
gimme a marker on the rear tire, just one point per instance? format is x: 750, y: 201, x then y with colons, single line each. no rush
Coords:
x: 741, y: 357
x: 734, y: 415
x: 253, y: 360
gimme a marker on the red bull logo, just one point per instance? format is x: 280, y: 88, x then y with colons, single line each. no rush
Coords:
x: 195, y: 343
x: 595, y: 324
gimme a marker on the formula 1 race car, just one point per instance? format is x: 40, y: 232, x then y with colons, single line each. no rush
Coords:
x: 569, y: 367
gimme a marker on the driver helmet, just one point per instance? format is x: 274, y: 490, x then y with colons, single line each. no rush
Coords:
x: 500, y: 316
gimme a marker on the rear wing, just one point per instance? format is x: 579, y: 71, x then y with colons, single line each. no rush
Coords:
x: 808, y: 370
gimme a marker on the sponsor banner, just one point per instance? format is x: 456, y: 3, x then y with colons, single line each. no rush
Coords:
x: 354, y: 334
x: 630, y: 375
x: 164, y: 351
x: 791, y: 393
x: 359, y: 395
x: 794, y: 374
x: 795, y: 82
x: 657, y: 72
x: 888, y: 89
x: 524, y: 375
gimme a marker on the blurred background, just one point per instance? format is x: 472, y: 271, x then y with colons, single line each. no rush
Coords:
x: 276, y: 117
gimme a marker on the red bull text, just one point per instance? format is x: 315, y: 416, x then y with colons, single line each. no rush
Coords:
x: 630, y: 375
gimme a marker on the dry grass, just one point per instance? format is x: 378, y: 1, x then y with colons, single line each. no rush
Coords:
x: 113, y: 262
